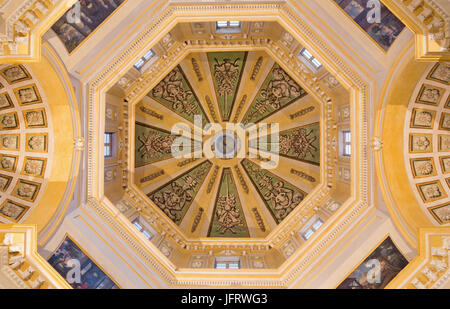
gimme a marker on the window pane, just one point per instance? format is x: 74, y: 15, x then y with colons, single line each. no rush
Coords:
x: 317, y: 225
x: 148, y: 55
x: 308, y: 234
x: 235, y: 23
x: 316, y: 62
x: 139, y: 64
x: 221, y: 266
x: 233, y: 266
x: 147, y: 235
x: 348, y: 150
x: 136, y: 224
x: 221, y: 24
x: 348, y: 137
x: 107, y: 151
x: 107, y: 138
x: 306, y: 53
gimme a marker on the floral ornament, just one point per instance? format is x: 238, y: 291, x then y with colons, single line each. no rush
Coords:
x: 282, y: 87
x: 33, y: 167
x: 155, y: 144
x: 9, y: 142
x: 431, y: 95
x: 431, y: 191
x: 11, y: 210
x: 7, y: 163
x: 171, y: 89
x: 423, y: 117
x: 421, y: 143
x: 227, y: 214
x: 3, y: 183
x: 226, y: 74
x: 35, y: 118
x: 300, y: 143
x: 445, y: 142
x: 9, y: 121
x: 443, y: 72
x: 36, y: 143
x: 25, y: 190
x: 424, y: 168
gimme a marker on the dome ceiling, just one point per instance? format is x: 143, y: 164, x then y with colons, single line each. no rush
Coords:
x: 231, y: 182
x: 427, y: 142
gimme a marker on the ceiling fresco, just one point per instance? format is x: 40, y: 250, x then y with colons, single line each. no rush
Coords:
x: 245, y: 186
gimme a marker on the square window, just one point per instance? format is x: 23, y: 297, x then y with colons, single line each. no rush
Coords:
x: 308, y: 234
x: 317, y: 225
x: 108, y: 144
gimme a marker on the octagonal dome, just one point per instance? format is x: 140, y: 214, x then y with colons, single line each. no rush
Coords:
x: 251, y: 156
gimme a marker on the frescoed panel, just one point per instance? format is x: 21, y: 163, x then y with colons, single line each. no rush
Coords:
x: 390, y: 262
x: 228, y: 218
x: 423, y: 167
x: 280, y: 196
x: 73, y: 32
x: 152, y: 144
x: 5, y: 181
x: 383, y: 32
x: 431, y: 191
x: 5, y: 101
x: 441, y: 213
x: 69, y: 257
x: 10, y: 141
x: 8, y: 162
x: 34, y: 167
x: 9, y: 121
x: 175, y: 197
x: 35, y: 118
x: 28, y: 95
x: 15, y: 74
x: 278, y: 91
x: 422, y: 118
x: 175, y: 93
x: 13, y: 211
x: 226, y: 70
x: 36, y: 142
x: 429, y: 94
x: 26, y: 190
x: 420, y: 143
x: 440, y: 73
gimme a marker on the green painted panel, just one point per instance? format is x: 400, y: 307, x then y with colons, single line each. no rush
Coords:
x: 279, y: 196
x: 151, y: 144
x: 278, y: 91
x: 226, y: 69
x: 175, y: 197
x: 228, y: 217
x: 301, y: 143
x: 175, y: 92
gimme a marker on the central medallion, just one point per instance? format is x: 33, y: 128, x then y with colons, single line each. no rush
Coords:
x: 226, y: 145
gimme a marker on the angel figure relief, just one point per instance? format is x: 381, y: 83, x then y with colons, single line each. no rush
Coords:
x: 226, y: 75
x: 171, y: 89
x: 228, y: 216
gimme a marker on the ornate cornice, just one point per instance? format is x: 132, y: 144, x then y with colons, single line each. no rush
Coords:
x: 20, y: 262
x: 25, y: 21
x: 431, y: 268
x: 430, y: 25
